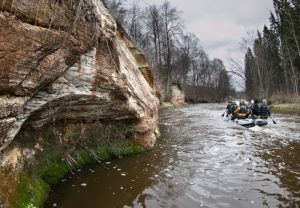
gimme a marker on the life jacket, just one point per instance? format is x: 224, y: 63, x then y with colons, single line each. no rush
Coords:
x: 233, y: 107
x: 243, y: 109
x: 239, y: 114
x: 256, y: 110
x: 229, y: 106
x: 264, y: 111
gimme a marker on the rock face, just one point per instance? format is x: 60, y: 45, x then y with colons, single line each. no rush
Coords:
x: 67, y: 64
x: 177, y: 95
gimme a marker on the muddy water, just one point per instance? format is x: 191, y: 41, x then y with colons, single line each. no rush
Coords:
x: 200, y: 161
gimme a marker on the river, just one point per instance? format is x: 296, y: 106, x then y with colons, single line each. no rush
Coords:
x: 200, y: 160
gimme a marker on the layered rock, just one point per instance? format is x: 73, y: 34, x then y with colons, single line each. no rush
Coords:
x: 67, y: 64
x: 177, y: 95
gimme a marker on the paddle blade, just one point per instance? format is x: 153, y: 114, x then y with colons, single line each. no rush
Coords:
x: 274, y: 122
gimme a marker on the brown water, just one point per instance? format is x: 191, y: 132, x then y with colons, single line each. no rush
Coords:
x: 200, y: 161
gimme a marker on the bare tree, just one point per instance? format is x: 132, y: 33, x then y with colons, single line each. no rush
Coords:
x: 172, y: 26
x: 187, y: 52
x: 117, y: 9
x: 175, y: 56
x: 154, y: 29
x: 135, y: 24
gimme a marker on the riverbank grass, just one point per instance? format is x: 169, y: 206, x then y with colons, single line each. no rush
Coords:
x: 35, y: 184
x: 286, y: 108
x: 31, y: 192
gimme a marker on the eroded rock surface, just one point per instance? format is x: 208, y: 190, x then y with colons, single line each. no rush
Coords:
x: 177, y: 95
x: 67, y: 63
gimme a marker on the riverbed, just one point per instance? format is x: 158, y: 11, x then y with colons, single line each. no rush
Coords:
x: 201, y: 160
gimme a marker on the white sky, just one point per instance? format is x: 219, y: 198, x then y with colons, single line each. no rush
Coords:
x: 221, y: 24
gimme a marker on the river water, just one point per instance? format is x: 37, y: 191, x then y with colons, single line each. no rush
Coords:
x: 200, y: 160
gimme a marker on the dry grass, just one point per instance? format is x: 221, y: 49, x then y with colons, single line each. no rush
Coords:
x: 285, y: 103
x: 286, y: 108
x: 281, y: 98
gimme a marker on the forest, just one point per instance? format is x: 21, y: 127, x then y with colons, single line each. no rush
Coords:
x: 271, y: 67
x: 175, y: 56
x: 272, y: 60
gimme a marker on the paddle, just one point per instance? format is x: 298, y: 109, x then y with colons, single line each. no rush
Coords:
x: 223, y: 114
x: 274, y: 122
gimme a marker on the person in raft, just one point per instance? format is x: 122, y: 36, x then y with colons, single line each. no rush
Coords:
x: 264, y: 111
x: 242, y: 111
x: 255, y: 109
x: 230, y: 108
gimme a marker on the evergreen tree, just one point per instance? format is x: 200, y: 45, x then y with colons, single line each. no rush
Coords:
x: 275, y: 65
x: 224, y: 87
x: 249, y: 75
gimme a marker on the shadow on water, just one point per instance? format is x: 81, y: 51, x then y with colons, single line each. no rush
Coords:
x: 114, y: 183
x: 200, y: 161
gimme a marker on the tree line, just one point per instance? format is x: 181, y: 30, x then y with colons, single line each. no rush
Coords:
x: 272, y: 63
x: 175, y: 56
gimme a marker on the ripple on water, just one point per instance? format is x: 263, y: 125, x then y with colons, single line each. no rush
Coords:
x: 200, y: 161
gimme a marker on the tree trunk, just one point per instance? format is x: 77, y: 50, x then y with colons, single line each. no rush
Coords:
x: 295, y: 78
x: 294, y: 33
x: 285, y: 70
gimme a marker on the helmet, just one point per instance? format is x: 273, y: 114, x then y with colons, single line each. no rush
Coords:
x: 264, y: 101
x: 252, y: 101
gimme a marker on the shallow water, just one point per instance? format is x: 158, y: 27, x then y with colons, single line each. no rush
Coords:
x: 200, y: 161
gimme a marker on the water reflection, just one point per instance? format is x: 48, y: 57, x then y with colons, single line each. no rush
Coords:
x: 103, y: 185
x: 200, y: 161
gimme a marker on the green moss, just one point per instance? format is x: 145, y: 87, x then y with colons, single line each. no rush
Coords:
x: 117, y: 149
x: 35, y: 184
x: 120, y: 149
x: 52, y: 171
x: 83, y: 157
x: 103, y: 154
x: 73, y: 149
x: 32, y: 192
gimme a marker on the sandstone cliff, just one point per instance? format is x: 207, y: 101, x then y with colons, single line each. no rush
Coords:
x: 66, y: 72
x: 177, y: 95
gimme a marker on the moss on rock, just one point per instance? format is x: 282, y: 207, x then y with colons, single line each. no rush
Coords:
x: 35, y: 184
x: 56, y: 151
x: 31, y: 192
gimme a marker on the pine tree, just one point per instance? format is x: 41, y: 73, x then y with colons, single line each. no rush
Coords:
x: 249, y: 75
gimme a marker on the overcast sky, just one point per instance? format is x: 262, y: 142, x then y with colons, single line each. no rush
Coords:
x: 221, y: 24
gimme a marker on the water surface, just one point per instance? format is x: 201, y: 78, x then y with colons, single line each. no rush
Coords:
x: 199, y: 161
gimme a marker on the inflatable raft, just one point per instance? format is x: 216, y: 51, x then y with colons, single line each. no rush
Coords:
x: 250, y: 122
x: 261, y: 122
